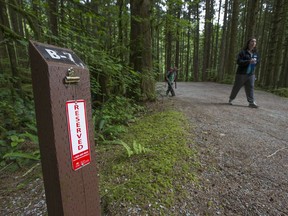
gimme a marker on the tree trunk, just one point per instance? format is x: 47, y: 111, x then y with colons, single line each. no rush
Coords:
x: 283, y: 81
x: 251, y: 18
x: 264, y: 36
x: 216, y: 49
x: 141, y: 50
x: 36, y: 23
x: 196, y: 45
x: 273, y: 54
x: 53, y: 19
x: 169, y: 37
x: 207, y: 39
x: 233, y: 38
x: 11, y: 50
x: 222, y: 53
x: 177, y: 51
x: 187, y: 56
x: 120, y: 29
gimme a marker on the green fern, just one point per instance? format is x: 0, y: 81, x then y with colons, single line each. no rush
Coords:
x: 135, y: 149
x: 13, y: 155
x: 128, y: 149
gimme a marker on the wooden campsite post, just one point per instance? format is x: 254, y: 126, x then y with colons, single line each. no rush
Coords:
x: 62, y: 97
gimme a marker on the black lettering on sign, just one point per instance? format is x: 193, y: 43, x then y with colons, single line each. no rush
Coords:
x: 59, y: 55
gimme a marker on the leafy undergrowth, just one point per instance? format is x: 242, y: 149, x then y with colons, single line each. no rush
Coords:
x: 146, y: 171
x: 283, y: 92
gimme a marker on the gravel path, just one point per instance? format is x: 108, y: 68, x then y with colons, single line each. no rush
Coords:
x: 243, y: 154
x: 243, y: 151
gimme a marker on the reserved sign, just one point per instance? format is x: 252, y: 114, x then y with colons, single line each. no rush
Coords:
x: 78, y: 133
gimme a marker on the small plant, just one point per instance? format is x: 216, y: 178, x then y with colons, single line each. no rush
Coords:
x: 136, y: 148
x: 14, y: 155
x: 19, y: 149
x: 111, y: 118
x: 16, y: 140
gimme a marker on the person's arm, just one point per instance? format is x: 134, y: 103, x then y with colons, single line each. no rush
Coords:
x: 167, y: 76
x: 242, y: 59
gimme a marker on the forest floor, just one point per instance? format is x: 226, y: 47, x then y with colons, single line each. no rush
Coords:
x: 243, y: 154
x: 244, y: 150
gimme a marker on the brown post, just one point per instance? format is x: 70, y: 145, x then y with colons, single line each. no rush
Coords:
x: 61, y: 87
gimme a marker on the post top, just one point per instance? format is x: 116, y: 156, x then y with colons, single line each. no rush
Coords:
x: 55, y: 54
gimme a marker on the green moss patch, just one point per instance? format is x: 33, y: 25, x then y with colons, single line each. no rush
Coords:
x: 150, y: 180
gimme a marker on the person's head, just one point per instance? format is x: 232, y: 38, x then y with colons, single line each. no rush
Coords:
x: 251, y: 44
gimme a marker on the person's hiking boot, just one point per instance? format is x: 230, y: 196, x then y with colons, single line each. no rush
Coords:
x: 253, y: 105
x: 230, y: 102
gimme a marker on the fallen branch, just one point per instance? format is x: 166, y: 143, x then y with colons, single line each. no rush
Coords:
x: 6, y: 166
x: 276, y: 152
x: 30, y: 170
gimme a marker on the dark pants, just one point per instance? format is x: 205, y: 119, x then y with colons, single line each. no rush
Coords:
x: 248, y: 82
x: 170, y: 89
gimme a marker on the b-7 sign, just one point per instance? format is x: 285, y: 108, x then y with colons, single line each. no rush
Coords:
x: 60, y: 55
x: 78, y: 133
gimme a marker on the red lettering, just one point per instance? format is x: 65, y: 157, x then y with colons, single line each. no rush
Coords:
x: 78, y: 127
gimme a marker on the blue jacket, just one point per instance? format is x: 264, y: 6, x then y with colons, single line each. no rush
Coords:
x: 243, y: 61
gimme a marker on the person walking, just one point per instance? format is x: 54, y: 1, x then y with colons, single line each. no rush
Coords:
x: 171, y: 77
x: 247, y: 59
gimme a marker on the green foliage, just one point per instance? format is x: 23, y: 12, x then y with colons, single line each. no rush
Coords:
x: 18, y: 131
x: 110, y: 119
x: 283, y: 92
x: 212, y: 76
x: 15, y: 114
x: 19, y: 148
x: 18, y: 139
x: 15, y: 140
x: 228, y: 79
x: 150, y: 178
x: 34, y: 156
x: 109, y: 77
x: 135, y: 149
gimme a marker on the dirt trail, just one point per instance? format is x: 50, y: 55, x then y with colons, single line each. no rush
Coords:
x: 243, y: 154
x: 244, y: 151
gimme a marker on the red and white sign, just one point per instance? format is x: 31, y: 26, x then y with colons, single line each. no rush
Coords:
x: 78, y: 133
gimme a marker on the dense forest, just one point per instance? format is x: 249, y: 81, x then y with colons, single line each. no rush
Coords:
x: 128, y: 46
